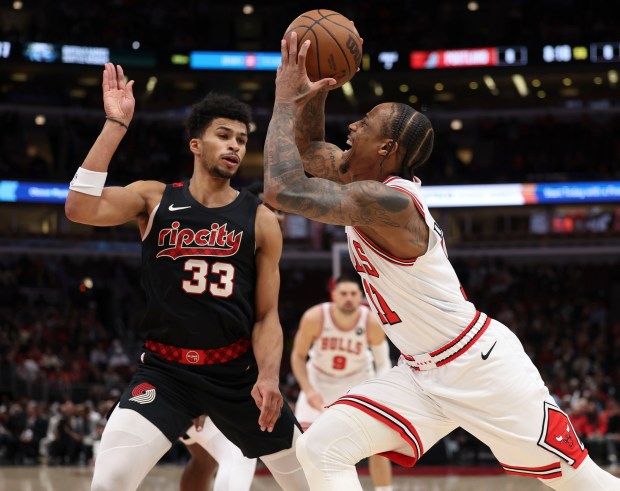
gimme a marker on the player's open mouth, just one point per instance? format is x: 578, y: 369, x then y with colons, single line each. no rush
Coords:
x: 350, y: 144
x: 231, y: 160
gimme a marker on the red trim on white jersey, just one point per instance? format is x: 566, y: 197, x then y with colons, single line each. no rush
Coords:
x: 550, y: 471
x: 384, y: 254
x: 391, y: 178
x: 394, y: 420
x: 415, y: 199
x: 452, y: 350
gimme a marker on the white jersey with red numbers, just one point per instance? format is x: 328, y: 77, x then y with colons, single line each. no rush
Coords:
x: 338, y: 360
x: 493, y: 390
x: 340, y: 352
x: 419, y: 301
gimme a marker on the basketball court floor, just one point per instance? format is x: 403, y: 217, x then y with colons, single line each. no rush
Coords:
x: 166, y: 478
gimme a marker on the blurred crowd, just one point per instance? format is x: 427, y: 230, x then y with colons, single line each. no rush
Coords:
x: 68, y: 346
x: 69, y: 326
x: 222, y: 25
x: 486, y: 150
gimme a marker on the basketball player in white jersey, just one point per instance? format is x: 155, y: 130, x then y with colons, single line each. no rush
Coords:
x: 333, y: 350
x: 459, y: 367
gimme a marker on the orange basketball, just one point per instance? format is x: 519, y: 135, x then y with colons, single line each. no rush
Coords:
x: 335, y: 49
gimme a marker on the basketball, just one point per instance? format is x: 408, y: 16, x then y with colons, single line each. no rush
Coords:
x: 335, y: 49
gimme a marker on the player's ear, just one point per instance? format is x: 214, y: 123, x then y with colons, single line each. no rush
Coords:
x: 195, y: 145
x: 388, y: 147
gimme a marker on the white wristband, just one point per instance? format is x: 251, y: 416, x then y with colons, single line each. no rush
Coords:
x: 88, y: 182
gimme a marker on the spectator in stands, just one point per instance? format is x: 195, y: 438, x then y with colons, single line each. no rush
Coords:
x: 612, y: 437
x: 67, y: 445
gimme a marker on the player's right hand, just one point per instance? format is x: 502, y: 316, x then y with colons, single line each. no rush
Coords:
x: 315, y: 400
x: 118, y: 99
x: 292, y: 82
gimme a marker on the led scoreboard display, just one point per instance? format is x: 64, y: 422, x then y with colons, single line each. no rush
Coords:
x: 470, y: 57
x: 605, y: 52
x: 478, y: 57
x: 502, y: 56
x: 587, y: 53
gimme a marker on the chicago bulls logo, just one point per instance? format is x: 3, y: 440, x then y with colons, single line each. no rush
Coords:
x: 558, y: 436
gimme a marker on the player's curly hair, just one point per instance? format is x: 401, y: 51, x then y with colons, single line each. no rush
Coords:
x: 213, y: 106
x: 413, y: 131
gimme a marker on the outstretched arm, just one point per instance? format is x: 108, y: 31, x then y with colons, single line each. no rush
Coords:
x: 113, y: 205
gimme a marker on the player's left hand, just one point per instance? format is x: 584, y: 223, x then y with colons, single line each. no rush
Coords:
x: 118, y: 100
x: 292, y: 82
x: 266, y: 394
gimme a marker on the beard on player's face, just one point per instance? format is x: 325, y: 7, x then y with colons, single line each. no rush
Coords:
x: 217, y: 171
x: 347, y: 306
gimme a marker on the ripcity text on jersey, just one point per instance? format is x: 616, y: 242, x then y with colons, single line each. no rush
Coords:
x: 198, y: 270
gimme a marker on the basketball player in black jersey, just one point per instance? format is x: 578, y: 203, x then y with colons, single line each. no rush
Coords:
x: 210, y: 270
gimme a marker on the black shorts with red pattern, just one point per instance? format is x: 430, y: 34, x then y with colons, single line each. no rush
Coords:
x: 170, y: 395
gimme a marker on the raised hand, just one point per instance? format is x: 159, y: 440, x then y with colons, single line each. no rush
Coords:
x: 118, y: 100
x: 292, y: 82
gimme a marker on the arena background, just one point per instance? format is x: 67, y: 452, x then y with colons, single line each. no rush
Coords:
x: 520, y: 92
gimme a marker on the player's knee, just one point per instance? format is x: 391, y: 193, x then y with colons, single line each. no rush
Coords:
x: 308, y: 450
x: 322, y: 447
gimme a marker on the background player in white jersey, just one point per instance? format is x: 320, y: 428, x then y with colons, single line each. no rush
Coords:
x: 334, y: 349
x: 458, y: 366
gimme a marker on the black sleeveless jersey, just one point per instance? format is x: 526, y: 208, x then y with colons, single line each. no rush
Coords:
x: 198, y: 270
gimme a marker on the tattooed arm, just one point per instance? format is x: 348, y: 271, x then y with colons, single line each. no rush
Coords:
x: 320, y: 158
x: 287, y: 188
x: 369, y: 204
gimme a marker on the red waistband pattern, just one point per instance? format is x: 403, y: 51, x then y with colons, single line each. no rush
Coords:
x: 199, y: 356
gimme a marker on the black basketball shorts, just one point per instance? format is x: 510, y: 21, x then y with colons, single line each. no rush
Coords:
x: 170, y: 395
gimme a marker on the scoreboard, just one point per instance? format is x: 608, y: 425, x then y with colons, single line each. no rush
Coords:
x: 490, y: 56
x: 520, y: 55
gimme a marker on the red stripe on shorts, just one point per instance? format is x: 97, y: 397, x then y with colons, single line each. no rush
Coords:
x: 394, y: 421
x: 550, y: 471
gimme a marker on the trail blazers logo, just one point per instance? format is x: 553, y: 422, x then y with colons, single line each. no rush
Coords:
x: 182, y: 242
x: 143, y: 393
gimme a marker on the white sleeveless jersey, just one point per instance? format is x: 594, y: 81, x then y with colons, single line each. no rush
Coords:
x: 419, y: 302
x: 340, y: 353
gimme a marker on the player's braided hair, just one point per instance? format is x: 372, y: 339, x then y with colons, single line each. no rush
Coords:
x: 214, y: 106
x: 414, y: 134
